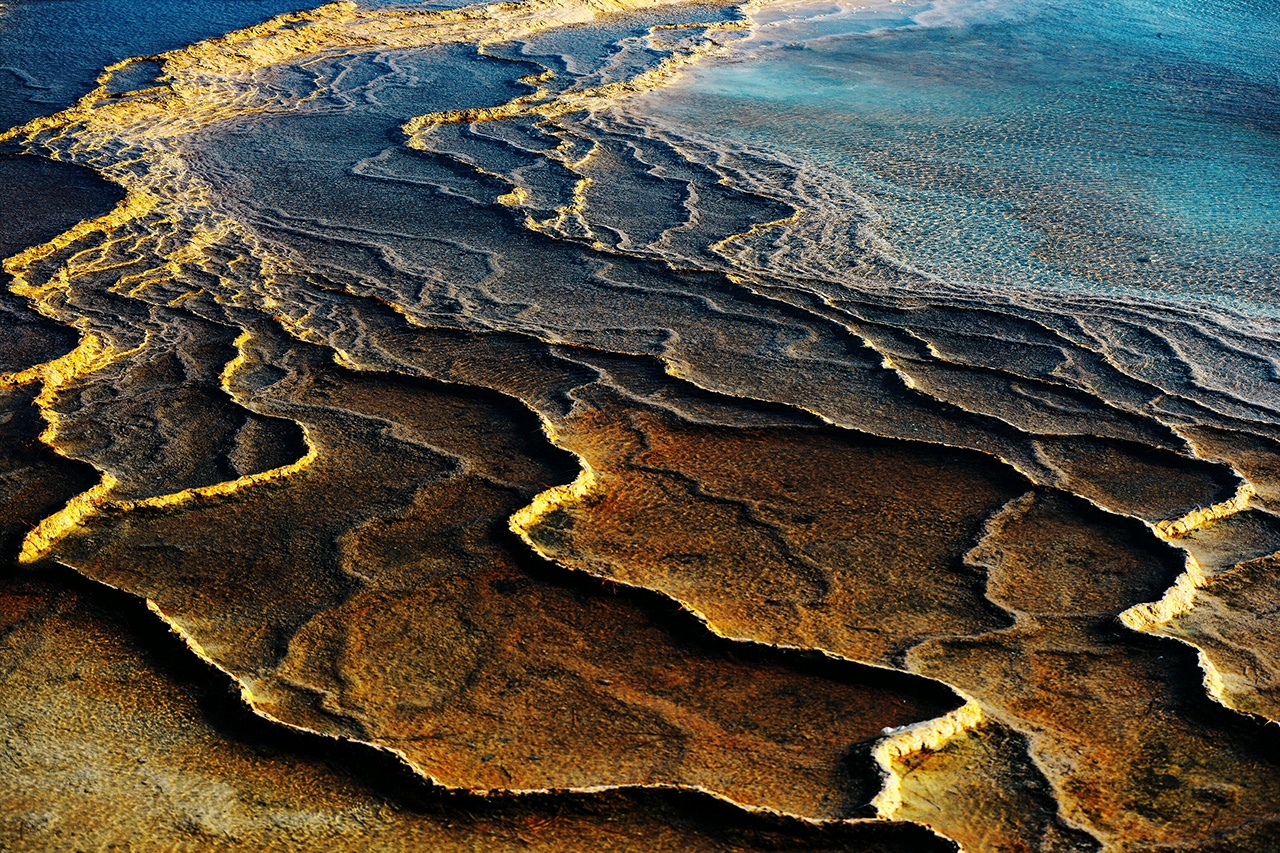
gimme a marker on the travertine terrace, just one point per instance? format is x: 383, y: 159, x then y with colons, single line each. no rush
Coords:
x: 426, y: 407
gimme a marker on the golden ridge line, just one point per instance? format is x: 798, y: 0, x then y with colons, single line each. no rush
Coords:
x: 41, y: 540
x: 721, y: 247
x: 135, y: 205
x: 536, y: 103
x: 515, y: 198
x: 52, y: 529
x: 576, y: 207
x: 1152, y: 617
x: 926, y: 736
x: 1203, y: 516
x: 931, y: 734
x: 1178, y: 599
x: 89, y: 356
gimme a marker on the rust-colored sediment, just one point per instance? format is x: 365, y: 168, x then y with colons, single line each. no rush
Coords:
x: 110, y: 738
x: 1119, y: 725
x: 672, y: 629
x: 1073, y: 721
x: 371, y: 595
x: 800, y: 537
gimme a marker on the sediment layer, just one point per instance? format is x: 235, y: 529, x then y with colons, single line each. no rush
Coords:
x: 462, y: 411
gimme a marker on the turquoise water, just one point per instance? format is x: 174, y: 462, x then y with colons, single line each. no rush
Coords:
x: 1099, y: 147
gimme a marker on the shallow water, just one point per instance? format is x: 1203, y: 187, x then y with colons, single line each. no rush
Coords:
x: 1117, y: 148
x: 865, y: 414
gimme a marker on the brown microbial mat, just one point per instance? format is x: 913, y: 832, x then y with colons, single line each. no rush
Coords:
x: 408, y: 441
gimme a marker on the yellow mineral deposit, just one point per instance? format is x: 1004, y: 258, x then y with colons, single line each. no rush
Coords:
x: 539, y: 103
x: 504, y: 560
x: 1178, y: 527
x: 1239, y: 645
